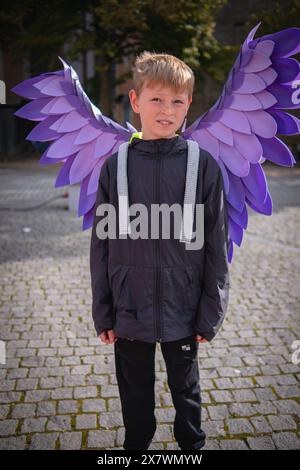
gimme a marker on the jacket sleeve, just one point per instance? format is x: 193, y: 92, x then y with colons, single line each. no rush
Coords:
x: 215, y: 288
x: 102, y: 302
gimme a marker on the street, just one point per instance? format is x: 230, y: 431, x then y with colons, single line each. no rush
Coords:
x: 58, y: 387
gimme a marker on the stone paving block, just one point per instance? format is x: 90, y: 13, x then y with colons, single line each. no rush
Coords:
x: 4, y: 411
x: 67, y: 406
x: 26, y: 384
x: 37, y: 395
x: 233, y: 444
x: 222, y: 396
x: 286, y: 441
x: 72, y: 380
x: 70, y: 440
x: 244, y: 395
x: 17, y: 373
x: 211, y: 444
x: 114, y: 404
x: 50, y: 382
x: 288, y: 406
x: 265, y: 394
x: 239, y: 426
x: 62, y: 393
x: 85, y: 392
x: 261, y: 424
x: 261, y: 443
x: 13, y: 443
x: 91, y: 404
x: 33, y: 425
x: 7, y: 385
x: 8, y: 427
x: 59, y: 423
x: 46, y: 408
x: 218, y: 411
x: 23, y: 410
x: 164, y: 432
x: 86, y: 421
x: 214, y: 428
x: 282, y: 423
x: 101, y: 439
x: 265, y: 407
x: 59, y: 375
x: 241, y: 409
x: 288, y: 391
x: 43, y: 441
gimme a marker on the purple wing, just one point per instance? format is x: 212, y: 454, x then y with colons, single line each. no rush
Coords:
x: 80, y: 136
x: 240, y: 129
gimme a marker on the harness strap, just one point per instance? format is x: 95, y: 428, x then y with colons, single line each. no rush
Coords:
x: 186, y: 232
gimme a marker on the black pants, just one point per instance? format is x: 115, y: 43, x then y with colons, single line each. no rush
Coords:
x: 135, y: 371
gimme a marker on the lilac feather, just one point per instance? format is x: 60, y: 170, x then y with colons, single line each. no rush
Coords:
x: 286, y: 123
x: 256, y: 182
x: 259, y: 86
x: 235, y: 232
x: 277, y: 151
x: 88, y: 219
x: 286, y: 69
x: 240, y: 218
x: 63, y: 178
x: 86, y: 202
x: 81, y: 137
x: 33, y: 110
x: 42, y: 132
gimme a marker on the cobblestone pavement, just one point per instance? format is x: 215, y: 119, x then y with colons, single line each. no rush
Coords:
x: 58, y: 386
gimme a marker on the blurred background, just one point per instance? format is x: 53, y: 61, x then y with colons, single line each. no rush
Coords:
x: 101, y: 38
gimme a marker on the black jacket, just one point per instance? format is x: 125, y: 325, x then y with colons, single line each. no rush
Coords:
x: 155, y: 289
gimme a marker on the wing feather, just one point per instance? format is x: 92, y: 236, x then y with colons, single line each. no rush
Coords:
x: 79, y: 135
x: 241, y: 129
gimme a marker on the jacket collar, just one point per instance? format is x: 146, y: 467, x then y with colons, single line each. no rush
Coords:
x: 163, y: 146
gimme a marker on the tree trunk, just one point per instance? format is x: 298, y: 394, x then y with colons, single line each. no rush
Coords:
x: 106, y: 89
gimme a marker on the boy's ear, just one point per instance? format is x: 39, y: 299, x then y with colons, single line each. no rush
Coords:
x: 133, y: 100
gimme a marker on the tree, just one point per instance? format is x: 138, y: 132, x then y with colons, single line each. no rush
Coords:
x: 115, y: 30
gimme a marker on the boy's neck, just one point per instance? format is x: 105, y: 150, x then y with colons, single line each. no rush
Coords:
x: 139, y: 135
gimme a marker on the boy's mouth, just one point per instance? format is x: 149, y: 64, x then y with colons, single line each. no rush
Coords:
x: 164, y: 122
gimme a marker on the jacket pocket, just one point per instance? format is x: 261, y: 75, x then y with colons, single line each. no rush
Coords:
x: 134, y: 309
x: 117, y: 282
x: 181, y: 288
x: 137, y: 295
x: 194, y: 286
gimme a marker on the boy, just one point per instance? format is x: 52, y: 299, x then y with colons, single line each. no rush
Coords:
x: 147, y: 290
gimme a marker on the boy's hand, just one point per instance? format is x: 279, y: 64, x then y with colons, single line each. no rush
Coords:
x: 201, y: 339
x: 108, y: 337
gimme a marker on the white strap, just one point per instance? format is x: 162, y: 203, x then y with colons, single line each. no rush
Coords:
x: 186, y: 232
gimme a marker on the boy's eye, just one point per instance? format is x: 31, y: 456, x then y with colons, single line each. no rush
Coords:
x: 177, y: 101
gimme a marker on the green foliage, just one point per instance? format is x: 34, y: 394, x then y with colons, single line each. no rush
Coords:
x: 282, y: 15
x: 114, y: 29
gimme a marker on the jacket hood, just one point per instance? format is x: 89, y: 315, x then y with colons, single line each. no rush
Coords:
x: 163, y: 146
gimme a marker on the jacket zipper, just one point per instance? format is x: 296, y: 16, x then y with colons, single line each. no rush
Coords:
x: 157, y: 251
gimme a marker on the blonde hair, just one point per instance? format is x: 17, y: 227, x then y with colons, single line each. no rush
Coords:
x: 151, y: 68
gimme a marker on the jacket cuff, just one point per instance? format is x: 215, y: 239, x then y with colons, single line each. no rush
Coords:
x: 100, y: 330
x: 209, y: 336
x: 212, y: 311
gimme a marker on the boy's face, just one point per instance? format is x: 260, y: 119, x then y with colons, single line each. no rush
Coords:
x: 157, y: 104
